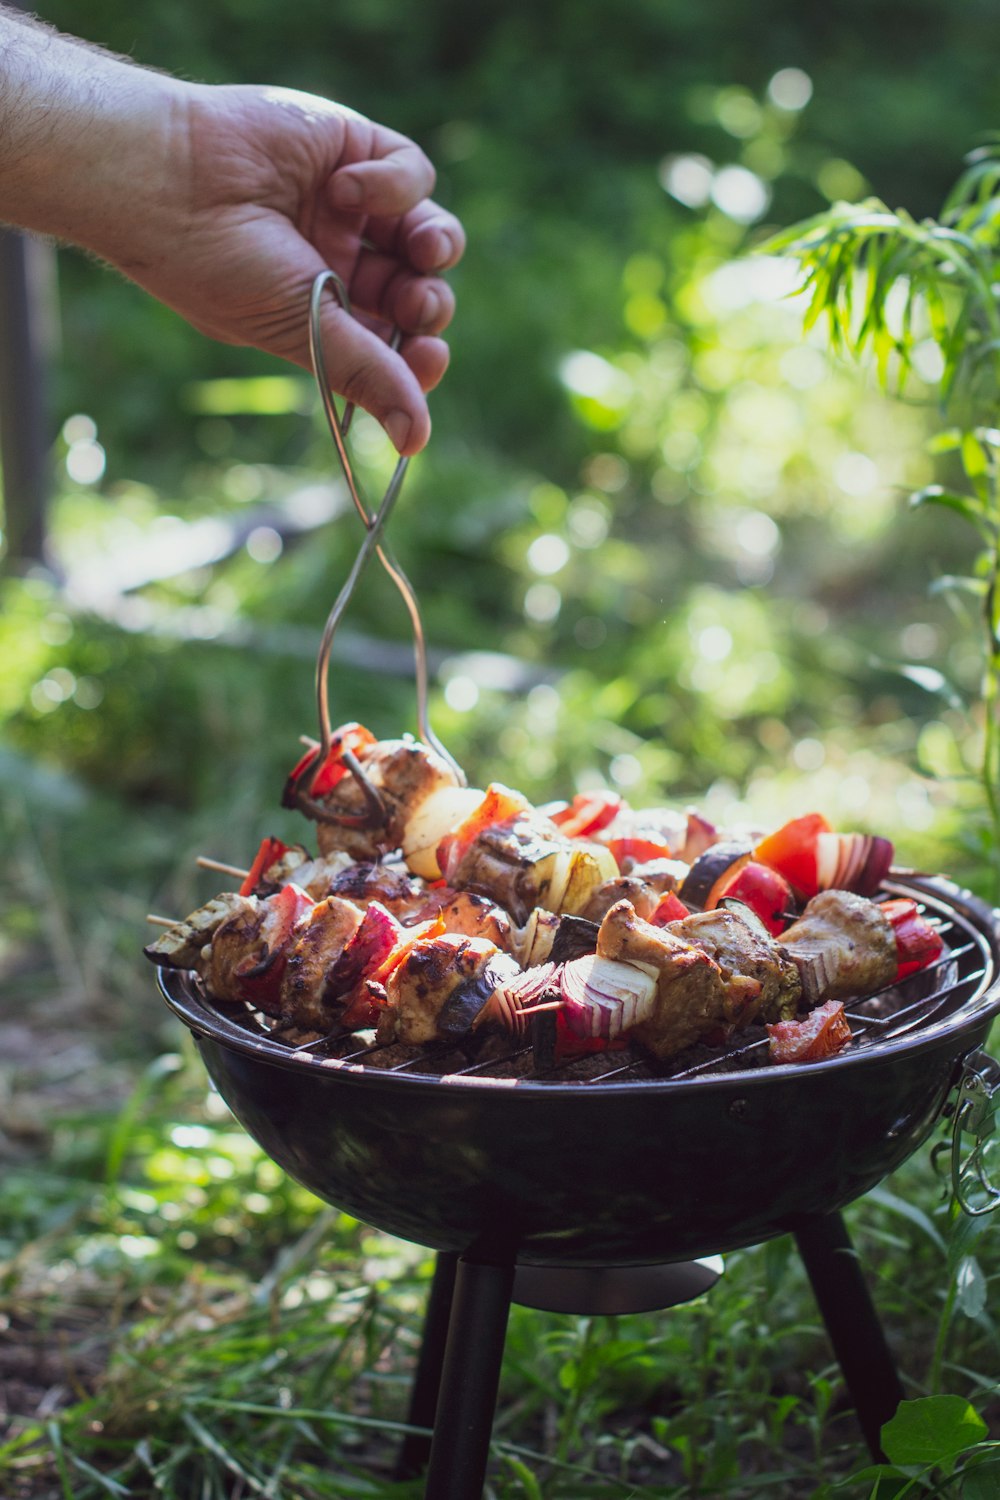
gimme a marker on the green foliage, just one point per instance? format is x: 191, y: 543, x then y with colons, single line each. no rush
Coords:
x: 895, y: 289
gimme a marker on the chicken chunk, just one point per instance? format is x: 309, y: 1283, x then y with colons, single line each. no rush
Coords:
x: 317, y: 943
x: 436, y: 972
x: 739, y: 950
x: 844, y: 946
x: 695, y: 996
x: 404, y: 773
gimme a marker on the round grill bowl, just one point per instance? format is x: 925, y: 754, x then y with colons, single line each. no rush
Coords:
x: 610, y: 1173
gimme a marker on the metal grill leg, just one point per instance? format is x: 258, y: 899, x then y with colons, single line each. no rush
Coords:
x: 415, y: 1451
x: 469, y: 1381
x: 852, y: 1322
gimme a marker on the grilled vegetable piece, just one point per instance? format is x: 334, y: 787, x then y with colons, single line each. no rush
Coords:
x: 316, y: 945
x: 433, y: 819
x: 315, y: 875
x: 844, y: 945
x: 419, y: 987
x: 823, y: 1033
x: 362, y: 955
x: 813, y: 858
x: 180, y: 946
x: 694, y: 996
x: 588, y: 813
x: 534, y: 941
x: 641, y: 834
x: 917, y: 942
x: 604, y: 997
x: 710, y: 870
x: 319, y: 781
x: 740, y: 950
x: 670, y: 909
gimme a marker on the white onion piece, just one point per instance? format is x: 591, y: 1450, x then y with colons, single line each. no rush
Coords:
x: 828, y: 859
x: 533, y: 942
x: 604, y: 997
x: 436, y: 815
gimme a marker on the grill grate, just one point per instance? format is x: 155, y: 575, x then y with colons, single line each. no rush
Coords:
x: 958, y: 978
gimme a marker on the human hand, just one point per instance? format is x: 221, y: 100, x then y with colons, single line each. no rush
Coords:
x: 226, y: 202
x: 275, y: 186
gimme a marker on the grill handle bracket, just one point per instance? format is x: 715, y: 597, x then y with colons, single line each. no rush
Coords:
x: 975, y: 1115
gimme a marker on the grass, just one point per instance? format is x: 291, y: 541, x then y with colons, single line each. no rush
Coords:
x: 179, y: 1320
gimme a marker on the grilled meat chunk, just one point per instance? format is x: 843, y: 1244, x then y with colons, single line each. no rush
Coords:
x: 434, y: 972
x: 843, y: 945
x: 404, y: 773
x: 695, y: 996
x: 317, y: 943
x: 392, y: 887
x: 738, y: 949
x: 644, y: 886
x: 525, y: 862
x: 313, y: 875
x: 180, y: 946
x: 471, y: 915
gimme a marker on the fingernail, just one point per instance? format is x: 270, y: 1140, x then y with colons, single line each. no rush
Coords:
x: 346, y: 192
x: 431, y: 310
x: 445, y: 249
x: 397, y: 424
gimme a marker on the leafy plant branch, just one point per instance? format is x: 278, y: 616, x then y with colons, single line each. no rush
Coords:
x: 890, y: 287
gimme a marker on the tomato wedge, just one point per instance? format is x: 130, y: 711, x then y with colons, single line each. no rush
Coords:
x: 670, y: 909
x: 822, y: 1033
x: 766, y: 892
x: 588, y: 813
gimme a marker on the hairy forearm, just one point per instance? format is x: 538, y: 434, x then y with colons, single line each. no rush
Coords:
x: 86, y: 139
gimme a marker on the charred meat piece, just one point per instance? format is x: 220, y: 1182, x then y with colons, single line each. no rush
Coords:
x: 404, y: 773
x: 180, y: 946
x: 518, y: 858
x: 391, y: 886
x: 739, y: 949
x: 440, y: 988
x: 843, y: 945
x: 644, y: 886
x: 695, y: 997
x: 317, y: 944
x: 247, y: 953
x: 313, y: 875
x: 471, y: 915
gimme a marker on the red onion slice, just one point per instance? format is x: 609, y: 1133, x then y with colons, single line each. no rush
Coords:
x: 604, y: 997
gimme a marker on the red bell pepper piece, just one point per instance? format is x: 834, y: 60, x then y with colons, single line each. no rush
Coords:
x: 269, y: 853
x: 353, y: 737
x: 568, y: 1044
x: 588, y: 813
x: 917, y: 942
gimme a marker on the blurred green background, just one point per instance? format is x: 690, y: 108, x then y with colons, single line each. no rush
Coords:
x: 661, y: 536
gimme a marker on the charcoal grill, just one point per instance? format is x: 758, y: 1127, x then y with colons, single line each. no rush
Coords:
x: 617, y: 1191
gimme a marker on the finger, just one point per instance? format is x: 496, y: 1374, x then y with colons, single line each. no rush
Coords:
x: 427, y: 358
x: 393, y: 178
x: 416, y: 304
x: 367, y: 372
x: 429, y: 237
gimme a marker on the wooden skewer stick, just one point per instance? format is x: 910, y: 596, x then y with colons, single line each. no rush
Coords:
x: 161, y: 921
x: 215, y: 864
x: 534, y: 1010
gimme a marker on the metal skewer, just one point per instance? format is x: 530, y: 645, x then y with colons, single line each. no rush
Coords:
x: 338, y: 428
